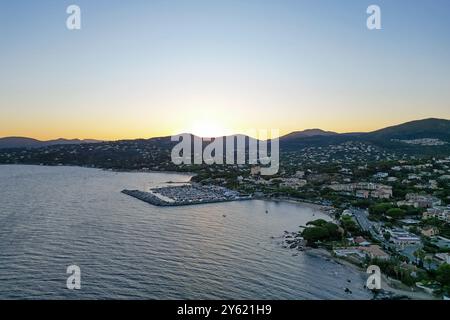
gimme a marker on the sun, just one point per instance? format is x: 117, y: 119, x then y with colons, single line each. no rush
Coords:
x: 208, y: 129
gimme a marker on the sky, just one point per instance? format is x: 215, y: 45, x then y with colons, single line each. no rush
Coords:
x: 139, y: 69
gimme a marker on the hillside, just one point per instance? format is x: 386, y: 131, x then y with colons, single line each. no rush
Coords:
x: 420, y: 136
x: 418, y: 129
x: 23, y: 142
x: 308, y: 133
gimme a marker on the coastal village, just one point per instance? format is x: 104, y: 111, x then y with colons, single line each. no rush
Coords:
x: 394, y: 214
x: 389, y: 208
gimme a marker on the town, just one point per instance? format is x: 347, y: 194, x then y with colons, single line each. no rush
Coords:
x: 390, y: 209
x: 394, y: 212
x: 389, y: 198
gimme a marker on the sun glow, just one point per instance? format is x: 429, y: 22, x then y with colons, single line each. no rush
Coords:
x: 208, y: 129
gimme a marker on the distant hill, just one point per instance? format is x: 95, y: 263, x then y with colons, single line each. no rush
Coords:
x: 418, y: 129
x: 401, y: 137
x: 393, y: 138
x: 308, y: 133
x: 23, y: 142
x: 428, y: 137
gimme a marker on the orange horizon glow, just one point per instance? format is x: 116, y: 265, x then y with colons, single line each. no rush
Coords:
x: 219, y: 67
x: 204, y: 128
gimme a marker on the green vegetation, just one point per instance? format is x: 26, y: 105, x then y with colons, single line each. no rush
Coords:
x: 444, y: 228
x: 321, y: 230
x: 443, y: 276
x: 411, y: 211
x: 349, y: 225
x: 380, y: 208
x: 395, y: 213
x: 395, y: 268
x: 364, y: 203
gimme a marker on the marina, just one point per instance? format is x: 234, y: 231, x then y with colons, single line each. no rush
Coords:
x: 186, y: 195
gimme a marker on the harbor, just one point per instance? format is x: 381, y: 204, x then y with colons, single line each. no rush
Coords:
x: 186, y: 195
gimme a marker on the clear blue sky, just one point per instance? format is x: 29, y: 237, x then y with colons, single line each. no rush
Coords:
x: 146, y: 68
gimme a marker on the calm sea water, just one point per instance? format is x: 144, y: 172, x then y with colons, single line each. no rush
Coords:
x: 53, y: 217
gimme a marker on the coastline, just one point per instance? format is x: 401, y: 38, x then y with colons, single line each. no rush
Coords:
x: 324, y: 208
x: 183, y: 173
x: 328, y: 210
x: 387, y: 284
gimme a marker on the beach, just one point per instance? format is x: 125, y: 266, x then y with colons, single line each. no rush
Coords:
x: 387, y: 284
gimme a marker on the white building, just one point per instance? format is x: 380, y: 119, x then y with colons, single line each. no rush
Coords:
x: 293, y: 182
x: 420, y: 201
x: 347, y: 213
x: 442, y: 213
x: 402, y: 237
x: 381, y: 175
x: 365, y: 189
x: 445, y: 257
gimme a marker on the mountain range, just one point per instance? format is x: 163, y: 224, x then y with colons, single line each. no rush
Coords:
x: 406, y: 137
x: 309, y: 133
x: 426, y: 128
x: 23, y: 142
x: 403, y: 136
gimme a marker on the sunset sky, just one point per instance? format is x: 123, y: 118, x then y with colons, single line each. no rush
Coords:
x: 139, y: 69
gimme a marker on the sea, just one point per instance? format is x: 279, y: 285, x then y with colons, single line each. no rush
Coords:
x: 52, y: 218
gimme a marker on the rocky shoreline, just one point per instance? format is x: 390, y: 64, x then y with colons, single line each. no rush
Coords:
x: 391, y: 289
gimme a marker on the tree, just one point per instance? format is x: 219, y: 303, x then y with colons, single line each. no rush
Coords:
x: 428, y: 261
x: 317, y: 223
x: 363, y: 203
x: 348, y: 224
x: 443, y: 274
x: 321, y: 230
x: 414, y: 230
x: 419, y: 254
x: 380, y: 208
x: 314, y: 234
x: 333, y: 230
x: 416, y: 255
x: 395, y: 213
x: 411, y: 211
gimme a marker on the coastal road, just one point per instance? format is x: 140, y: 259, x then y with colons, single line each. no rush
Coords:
x: 361, y: 217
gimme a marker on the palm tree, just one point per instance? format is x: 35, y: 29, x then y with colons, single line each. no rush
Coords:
x: 428, y: 261
x: 397, y: 271
x: 421, y: 255
x: 416, y: 255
